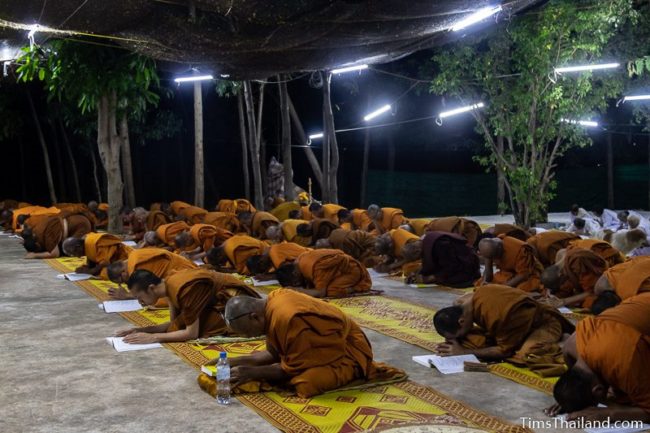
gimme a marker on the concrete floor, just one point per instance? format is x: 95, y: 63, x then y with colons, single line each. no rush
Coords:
x: 57, y: 373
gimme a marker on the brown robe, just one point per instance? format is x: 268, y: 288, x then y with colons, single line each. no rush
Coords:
x: 547, y: 244
x: 611, y: 255
x: 239, y: 248
x: 469, y: 229
x: 207, y: 236
x: 167, y: 232
x: 580, y: 271
x: 356, y: 243
x: 177, y: 207
x: 285, y: 252
x: 104, y: 248
x: 194, y: 214
x: 331, y: 211
x: 321, y: 228
x: 158, y: 261
x: 224, y: 220
x: 335, y: 271
x: 289, y: 229
x: 518, y: 258
x: 47, y: 230
x: 511, y: 230
x: 361, y: 220
x: 155, y: 219
x: 260, y: 222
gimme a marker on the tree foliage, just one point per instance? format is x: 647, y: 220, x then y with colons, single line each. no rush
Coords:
x: 511, y: 71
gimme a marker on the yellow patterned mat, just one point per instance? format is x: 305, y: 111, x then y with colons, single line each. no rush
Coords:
x: 375, y: 409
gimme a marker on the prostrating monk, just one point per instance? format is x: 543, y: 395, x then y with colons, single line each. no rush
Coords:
x: 467, y: 228
x: 605, y: 250
x: 264, y: 265
x: 621, y: 282
x: 573, y: 278
x: 243, y: 205
x: 356, y: 243
x: 199, y: 239
x: 43, y: 234
x: 608, y: 356
x: 100, y: 249
x: 232, y: 255
x: 322, y: 273
x: 317, y: 228
x: 311, y: 345
x: 17, y: 217
x: 398, y: 247
x: 329, y: 211
x: 281, y: 211
x: 387, y: 218
x: 197, y: 298
x: 137, y: 223
x: 224, y: 220
x: 447, y: 260
x: 227, y: 206
x: 510, y: 230
x: 547, y: 244
x: 515, y: 260
x: 77, y: 209
x: 257, y: 223
x: 193, y: 214
x: 359, y: 220
x: 417, y: 225
x: 288, y: 231
x: 166, y: 233
x: 177, y: 207
x: 156, y: 218
x: 499, y: 322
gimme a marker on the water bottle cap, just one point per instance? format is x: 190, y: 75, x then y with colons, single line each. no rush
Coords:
x: 223, y: 355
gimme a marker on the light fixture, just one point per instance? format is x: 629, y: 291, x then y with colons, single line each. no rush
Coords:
x: 349, y: 69
x: 461, y: 110
x: 193, y: 78
x: 316, y: 136
x: 636, y: 98
x: 378, y: 112
x: 476, y: 17
x: 586, y: 123
x: 225, y: 75
x: 586, y: 68
x: 32, y: 31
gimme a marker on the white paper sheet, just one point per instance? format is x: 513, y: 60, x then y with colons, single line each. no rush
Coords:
x: 199, y: 262
x: 119, y: 345
x: 564, y: 310
x: 122, y: 306
x: 73, y: 276
x: 265, y: 283
x: 130, y: 243
x: 446, y: 364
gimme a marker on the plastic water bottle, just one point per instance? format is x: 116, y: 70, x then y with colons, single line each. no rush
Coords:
x: 223, y: 379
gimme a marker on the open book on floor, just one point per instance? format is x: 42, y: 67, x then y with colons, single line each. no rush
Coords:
x: 445, y: 364
x: 119, y: 345
x: 122, y: 306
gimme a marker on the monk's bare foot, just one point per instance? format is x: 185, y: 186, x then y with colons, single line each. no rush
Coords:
x: 119, y: 293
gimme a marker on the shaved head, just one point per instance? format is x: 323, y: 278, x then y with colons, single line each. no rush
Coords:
x: 491, y: 248
x: 373, y: 211
x: 408, y: 228
x: 274, y: 233
x: 245, y: 315
x: 412, y: 251
x: 92, y: 205
x: 551, y: 277
x: 74, y: 247
x: 323, y: 243
x: 384, y: 244
x: 151, y: 238
x: 183, y: 240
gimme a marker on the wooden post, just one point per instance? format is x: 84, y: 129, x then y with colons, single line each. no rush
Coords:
x: 199, y: 186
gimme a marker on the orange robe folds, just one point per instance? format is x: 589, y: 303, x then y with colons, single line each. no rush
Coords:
x: 199, y: 294
x: 226, y: 205
x: 357, y: 244
x: 512, y: 231
x: 469, y: 229
x: 611, y: 255
x: 361, y: 219
x: 290, y: 232
x: 239, y: 248
x: 630, y: 278
x: 319, y: 346
x: 243, y: 205
x: 285, y: 252
x: 158, y: 261
x: 281, y: 211
x: 547, y: 244
x: 31, y: 211
x: 419, y: 225
x: 616, y: 346
x: 155, y: 219
x: 400, y: 238
x: 518, y: 258
x: 177, y: 207
x: 306, y: 213
x: 260, y: 222
x: 224, y: 220
x: 167, y: 232
x: 47, y: 230
x: 580, y: 271
x: 330, y: 212
x: 392, y: 218
x: 194, y: 214
x: 321, y: 228
x: 104, y: 248
x: 78, y: 226
x: 207, y: 236
x: 335, y: 271
x: 506, y: 317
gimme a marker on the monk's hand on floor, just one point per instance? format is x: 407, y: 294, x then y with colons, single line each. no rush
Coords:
x: 240, y: 375
x: 125, y: 332
x: 450, y: 348
x: 118, y: 293
x: 554, y: 410
x: 141, y: 338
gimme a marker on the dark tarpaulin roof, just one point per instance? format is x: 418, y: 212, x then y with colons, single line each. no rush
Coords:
x: 259, y: 38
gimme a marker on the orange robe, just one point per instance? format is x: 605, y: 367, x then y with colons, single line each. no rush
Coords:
x: 547, y: 244
x: 202, y: 294
x: 357, y: 244
x: 167, y: 232
x: 239, y: 248
x: 330, y: 212
x: 281, y: 211
x: 31, y: 211
x: 321, y: 228
x: 23, y: 204
x: 630, y: 278
x: 194, y: 214
x: 616, y: 346
x: 207, y: 236
x: 506, y: 317
x: 306, y: 213
x: 400, y: 238
x: 177, y: 207
x: 511, y: 230
x: 361, y: 219
x: 243, y: 205
x: 580, y: 271
x: 260, y: 222
x: 335, y: 271
x: 104, y: 248
x: 319, y: 346
x: 158, y: 261
x: 226, y: 205
x: 469, y: 229
x: 78, y: 226
x: 392, y: 218
x: 611, y: 255
x: 47, y: 230
x: 420, y: 225
x: 224, y: 220
x: 104, y: 208
x: 155, y: 219
x: 285, y: 252
x: 518, y: 258
x: 289, y: 229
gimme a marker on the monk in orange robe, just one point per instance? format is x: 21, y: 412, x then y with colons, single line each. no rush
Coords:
x: 547, y: 244
x: 156, y: 218
x: 386, y: 219
x: 288, y: 231
x: 100, y: 249
x: 197, y: 298
x: 257, y: 223
x: 224, y: 220
x: 356, y: 243
x: 329, y: 211
x: 604, y: 249
x: 323, y: 272
x: 177, y: 207
x: 281, y: 211
x: 516, y: 263
x: 358, y: 220
x: 398, y: 247
x: 77, y: 209
x: 510, y: 230
x: 199, y: 239
x: 101, y: 213
x: 232, y: 255
x: 621, y: 282
x: 166, y: 233
x: 608, y: 355
x: 467, y: 228
x: 227, y: 206
x: 418, y: 226
x: 243, y: 205
x: 194, y: 214
x: 43, y: 234
x: 264, y: 265
x: 499, y: 322
x: 317, y: 228
x: 311, y: 345
x: 19, y: 216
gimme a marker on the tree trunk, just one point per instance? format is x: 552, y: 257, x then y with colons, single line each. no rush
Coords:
x: 313, y: 161
x: 254, y: 146
x: 98, y: 188
x: 46, y: 157
x: 610, y: 172
x: 261, y: 145
x: 109, y: 145
x: 501, y: 181
x: 73, y: 163
x: 327, y: 112
x: 199, y: 184
x: 289, y: 191
x: 244, y: 146
x: 364, y: 169
x: 127, y: 163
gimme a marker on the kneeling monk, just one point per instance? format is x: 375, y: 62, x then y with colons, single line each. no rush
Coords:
x: 197, y: 298
x: 515, y: 260
x: 311, y: 345
x: 621, y: 282
x: 100, y: 249
x: 325, y: 272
